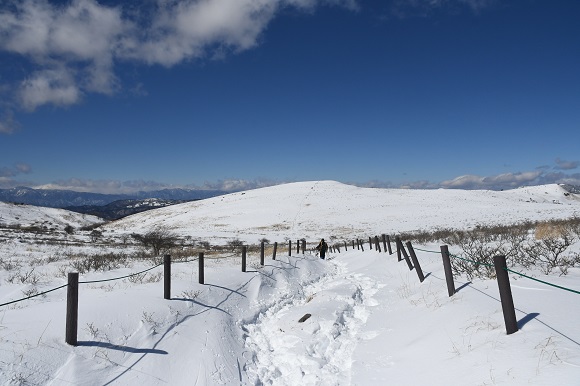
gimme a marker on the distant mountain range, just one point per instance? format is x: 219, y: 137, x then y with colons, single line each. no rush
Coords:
x: 107, y: 206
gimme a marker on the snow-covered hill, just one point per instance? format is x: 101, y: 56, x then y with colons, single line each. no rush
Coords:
x: 50, y: 218
x: 327, y: 208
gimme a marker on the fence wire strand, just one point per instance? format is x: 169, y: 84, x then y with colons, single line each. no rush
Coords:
x: 507, y: 269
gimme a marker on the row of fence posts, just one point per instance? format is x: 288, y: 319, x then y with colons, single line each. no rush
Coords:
x: 410, y: 258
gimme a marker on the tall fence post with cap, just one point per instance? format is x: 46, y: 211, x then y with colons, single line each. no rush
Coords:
x: 398, y: 244
x: 201, y: 273
x: 415, y: 262
x: 244, y: 253
x: 505, y: 294
x: 262, y: 253
x: 448, y: 270
x: 72, y: 308
x: 167, y: 277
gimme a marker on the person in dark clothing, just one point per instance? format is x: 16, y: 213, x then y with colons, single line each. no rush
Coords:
x: 322, y: 248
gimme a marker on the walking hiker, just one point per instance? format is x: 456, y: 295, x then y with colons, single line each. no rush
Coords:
x: 322, y: 248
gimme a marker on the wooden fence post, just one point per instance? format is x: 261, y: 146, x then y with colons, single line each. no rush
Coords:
x: 357, y: 244
x: 505, y: 294
x: 398, y: 243
x: 303, y: 246
x: 298, y: 247
x: 201, y: 273
x: 384, y: 240
x: 353, y: 245
x: 289, y: 247
x: 362, y: 247
x: 448, y: 270
x: 72, y: 308
x: 262, y: 253
x: 377, y: 244
x: 167, y: 277
x: 345, y: 249
x: 244, y: 253
x: 370, y: 243
x: 401, y: 247
x: 389, y: 245
x: 275, y: 249
x: 415, y: 262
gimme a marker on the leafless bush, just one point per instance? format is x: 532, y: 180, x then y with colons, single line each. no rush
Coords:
x: 527, y: 244
x: 106, y: 262
x: 235, y: 245
x: 548, y: 250
x: 159, y: 240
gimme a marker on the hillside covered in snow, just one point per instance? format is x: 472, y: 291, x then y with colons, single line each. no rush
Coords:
x: 334, y: 210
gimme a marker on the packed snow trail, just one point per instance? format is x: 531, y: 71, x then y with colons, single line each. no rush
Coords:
x: 319, y: 350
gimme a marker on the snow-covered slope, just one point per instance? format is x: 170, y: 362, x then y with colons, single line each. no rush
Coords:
x: 28, y: 215
x: 327, y: 208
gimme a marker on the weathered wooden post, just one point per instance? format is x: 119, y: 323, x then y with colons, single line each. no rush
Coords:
x: 362, y: 247
x: 275, y: 249
x: 298, y: 247
x: 289, y: 247
x: 505, y: 294
x: 244, y: 253
x: 201, y: 273
x: 303, y: 246
x: 262, y: 253
x: 398, y: 244
x: 167, y: 277
x: 415, y: 262
x: 353, y: 245
x: 345, y: 249
x: 401, y: 247
x: 384, y: 240
x: 357, y: 244
x: 377, y: 244
x: 72, y: 308
x: 370, y: 243
x: 448, y: 270
x: 389, y: 245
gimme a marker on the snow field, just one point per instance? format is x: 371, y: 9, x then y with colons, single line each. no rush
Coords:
x: 319, y: 350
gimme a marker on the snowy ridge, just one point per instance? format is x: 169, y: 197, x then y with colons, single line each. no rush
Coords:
x: 28, y: 215
x: 327, y: 208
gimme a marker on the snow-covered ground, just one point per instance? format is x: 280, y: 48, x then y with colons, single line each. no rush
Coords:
x: 372, y: 322
x: 327, y: 208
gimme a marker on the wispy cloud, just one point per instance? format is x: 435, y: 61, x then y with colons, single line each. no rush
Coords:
x: 500, y: 181
x: 133, y: 186
x: 73, y: 47
x: 566, y: 165
x: 13, y: 171
x: 405, y: 8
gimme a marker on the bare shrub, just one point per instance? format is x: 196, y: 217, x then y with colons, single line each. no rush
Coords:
x: 159, y: 240
x: 235, y: 245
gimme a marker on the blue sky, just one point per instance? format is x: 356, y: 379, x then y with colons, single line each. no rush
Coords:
x: 98, y: 96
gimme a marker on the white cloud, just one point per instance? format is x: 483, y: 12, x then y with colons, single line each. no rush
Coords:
x: 500, y: 181
x: 566, y: 165
x: 75, y: 45
x: 53, y: 86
